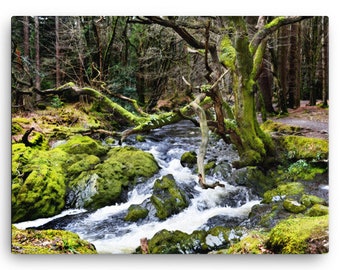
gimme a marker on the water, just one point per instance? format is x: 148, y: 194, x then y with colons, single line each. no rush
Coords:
x: 108, y: 231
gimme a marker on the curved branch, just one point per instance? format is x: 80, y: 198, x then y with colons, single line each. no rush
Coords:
x: 273, y: 26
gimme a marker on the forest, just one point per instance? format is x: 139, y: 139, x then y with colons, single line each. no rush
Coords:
x: 94, y: 98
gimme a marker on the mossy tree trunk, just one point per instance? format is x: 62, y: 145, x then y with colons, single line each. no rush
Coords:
x: 254, y: 146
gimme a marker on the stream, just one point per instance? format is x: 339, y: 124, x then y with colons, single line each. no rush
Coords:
x: 228, y: 206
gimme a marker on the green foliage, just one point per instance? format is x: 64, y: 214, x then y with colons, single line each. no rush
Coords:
x: 56, y: 102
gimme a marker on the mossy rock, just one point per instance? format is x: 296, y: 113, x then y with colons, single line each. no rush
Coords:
x: 38, y: 183
x: 135, y: 163
x: 309, y: 200
x: 176, y: 242
x: 317, y: 210
x: 293, y: 206
x: 199, y: 241
x: 299, y: 236
x: 49, y: 242
x: 167, y: 197
x: 283, y: 191
x: 93, y: 185
x: 189, y: 159
x: 136, y: 212
x: 254, y: 178
x: 79, y: 144
x: 252, y: 243
x: 271, y: 126
x: 299, y: 147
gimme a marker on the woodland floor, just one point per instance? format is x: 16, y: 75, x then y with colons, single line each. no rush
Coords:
x: 313, y: 120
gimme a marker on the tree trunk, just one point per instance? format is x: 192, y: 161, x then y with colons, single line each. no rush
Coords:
x: 26, y: 38
x: 37, y: 52
x: 57, y: 52
x: 283, y: 67
x: 293, y: 81
x: 325, y: 62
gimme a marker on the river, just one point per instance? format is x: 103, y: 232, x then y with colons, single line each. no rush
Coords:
x: 106, y: 228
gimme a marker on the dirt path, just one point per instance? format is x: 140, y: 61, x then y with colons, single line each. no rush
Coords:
x: 312, y: 119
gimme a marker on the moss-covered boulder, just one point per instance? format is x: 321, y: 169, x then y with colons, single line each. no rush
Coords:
x: 253, y: 177
x: 293, y: 206
x: 79, y: 144
x: 136, y: 212
x: 252, y: 243
x: 49, y: 242
x: 199, y: 241
x: 317, y: 210
x: 309, y: 200
x: 189, y: 159
x: 96, y: 185
x: 299, y: 147
x: 283, y: 191
x: 301, y: 235
x: 167, y: 197
x: 38, y: 183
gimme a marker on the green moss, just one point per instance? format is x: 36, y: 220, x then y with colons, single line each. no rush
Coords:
x: 189, y: 159
x: 293, y: 206
x: 271, y: 126
x: 38, y: 183
x: 283, y: 191
x: 136, y: 212
x: 309, y: 200
x: 317, y: 210
x: 228, y: 53
x: 177, y: 242
x: 299, y: 147
x: 82, y: 163
x: 167, y: 198
x: 292, y: 236
x: 49, y: 242
x: 79, y: 144
x: 253, y: 243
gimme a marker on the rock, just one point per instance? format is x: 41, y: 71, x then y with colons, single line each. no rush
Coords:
x: 136, y: 212
x: 317, y: 210
x: 103, y: 184
x: 79, y: 144
x: 167, y: 197
x: 189, y: 159
x: 293, y: 206
x: 38, y: 183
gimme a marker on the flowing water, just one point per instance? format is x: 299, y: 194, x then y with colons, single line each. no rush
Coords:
x: 108, y: 231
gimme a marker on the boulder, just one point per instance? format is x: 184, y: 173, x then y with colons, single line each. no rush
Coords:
x: 167, y: 197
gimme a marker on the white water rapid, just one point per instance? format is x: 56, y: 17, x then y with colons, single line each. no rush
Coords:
x: 106, y: 228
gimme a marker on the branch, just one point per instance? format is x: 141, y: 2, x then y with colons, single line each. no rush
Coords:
x: 272, y: 27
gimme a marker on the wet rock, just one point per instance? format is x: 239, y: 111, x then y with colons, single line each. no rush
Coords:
x: 167, y: 197
x: 189, y: 159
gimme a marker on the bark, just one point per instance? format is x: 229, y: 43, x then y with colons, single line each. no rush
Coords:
x: 57, y: 52
x: 325, y: 62
x: 37, y: 52
x: 294, y: 55
x: 204, y: 134
x: 26, y: 37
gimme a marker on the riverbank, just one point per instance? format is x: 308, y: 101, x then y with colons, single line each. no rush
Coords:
x: 254, y: 204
